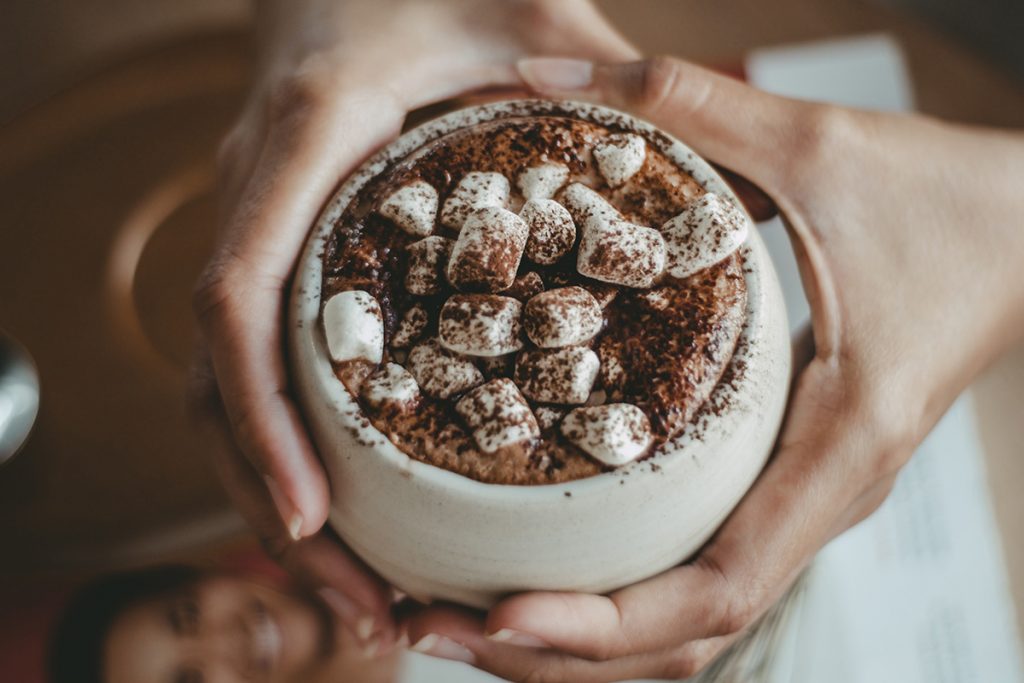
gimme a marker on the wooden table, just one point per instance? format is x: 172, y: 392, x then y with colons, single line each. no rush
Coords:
x: 107, y: 214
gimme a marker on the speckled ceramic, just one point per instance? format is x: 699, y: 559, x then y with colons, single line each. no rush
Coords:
x: 438, y: 535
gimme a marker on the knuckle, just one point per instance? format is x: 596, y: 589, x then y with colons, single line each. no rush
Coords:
x: 212, y: 295
x: 247, y: 426
x: 891, y: 431
x: 681, y: 666
x: 736, y: 613
x: 537, y: 675
x: 820, y: 130
x: 659, y: 78
x: 228, y: 151
x: 736, y: 605
x: 302, y: 91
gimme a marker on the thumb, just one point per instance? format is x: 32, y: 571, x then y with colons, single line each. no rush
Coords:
x: 727, y: 121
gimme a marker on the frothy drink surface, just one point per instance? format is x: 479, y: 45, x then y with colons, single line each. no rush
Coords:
x: 545, y: 299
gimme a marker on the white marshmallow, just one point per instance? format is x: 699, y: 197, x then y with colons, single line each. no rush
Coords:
x: 413, y: 208
x: 542, y: 182
x: 619, y: 157
x: 480, y: 324
x: 562, y: 317
x: 552, y: 232
x: 474, y: 191
x: 615, y: 433
x: 427, y: 261
x: 410, y: 328
x: 707, y: 231
x: 557, y: 376
x: 487, y: 253
x: 621, y: 253
x: 439, y: 373
x: 498, y: 415
x: 588, y: 207
x: 391, y: 385
x: 548, y: 416
x: 354, y: 327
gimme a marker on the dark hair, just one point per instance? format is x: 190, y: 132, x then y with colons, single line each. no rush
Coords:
x: 76, y: 644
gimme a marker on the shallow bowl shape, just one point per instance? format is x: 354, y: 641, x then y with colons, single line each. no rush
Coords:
x: 435, y: 534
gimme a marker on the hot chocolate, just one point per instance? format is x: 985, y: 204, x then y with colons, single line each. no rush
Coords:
x: 535, y: 299
x: 436, y: 354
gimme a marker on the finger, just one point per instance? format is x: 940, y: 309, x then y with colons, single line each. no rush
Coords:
x: 360, y: 599
x: 239, y: 301
x: 457, y: 634
x: 735, y: 125
x: 785, y: 518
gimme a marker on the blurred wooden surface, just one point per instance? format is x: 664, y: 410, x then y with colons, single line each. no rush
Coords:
x: 104, y: 193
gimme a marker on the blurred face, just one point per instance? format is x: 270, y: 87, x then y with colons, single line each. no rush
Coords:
x: 220, y: 629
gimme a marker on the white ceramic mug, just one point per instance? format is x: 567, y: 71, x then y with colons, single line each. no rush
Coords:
x: 435, y: 534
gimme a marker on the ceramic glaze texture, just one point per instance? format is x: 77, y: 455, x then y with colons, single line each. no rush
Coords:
x: 436, y: 534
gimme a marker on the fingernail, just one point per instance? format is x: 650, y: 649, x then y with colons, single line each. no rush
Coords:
x: 444, y: 648
x: 507, y: 636
x: 364, y: 628
x: 371, y: 649
x: 289, y: 514
x: 351, y: 615
x: 547, y: 74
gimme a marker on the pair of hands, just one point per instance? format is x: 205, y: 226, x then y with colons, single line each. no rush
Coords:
x: 906, y: 237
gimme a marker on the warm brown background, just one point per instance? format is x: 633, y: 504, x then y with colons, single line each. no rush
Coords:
x: 109, y: 112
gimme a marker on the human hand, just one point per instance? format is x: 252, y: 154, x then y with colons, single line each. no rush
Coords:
x: 334, y: 82
x: 908, y: 238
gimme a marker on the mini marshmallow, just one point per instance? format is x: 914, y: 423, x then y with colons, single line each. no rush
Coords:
x: 413, y: 208
x: 621, y: 253
x: 487, y: 253
x: 588, y: 207
x: 548, y: 416
x: 410, y: 328
x: 427, y: 261
x: 480, y: 325
x: 552, y: 232
x: 707, y: 231
x: 354, y: 327
x: 390, y: 386
x: 498, y: 415
x: 474, y: 191
x: 542, y: 182
x: 614, y: 433
x: 562, y: 317
x: 619, y: 157
x: 563, y: 375
x: 439, y: 373
x: 603, y: 292
x: 525, y: 287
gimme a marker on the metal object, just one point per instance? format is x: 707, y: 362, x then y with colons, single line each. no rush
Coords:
x: 19, y: 396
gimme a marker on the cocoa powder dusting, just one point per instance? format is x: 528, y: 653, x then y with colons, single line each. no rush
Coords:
x: 666, y: 359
